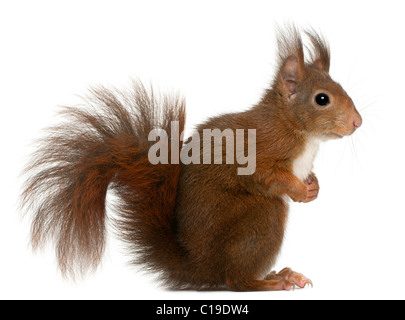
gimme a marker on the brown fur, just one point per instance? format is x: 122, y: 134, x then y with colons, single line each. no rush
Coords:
x: 198, y: 226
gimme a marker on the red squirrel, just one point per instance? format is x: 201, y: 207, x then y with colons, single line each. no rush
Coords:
x: 197, y: 226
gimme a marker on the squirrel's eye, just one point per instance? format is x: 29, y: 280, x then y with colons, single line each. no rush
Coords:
x: 322, y: 99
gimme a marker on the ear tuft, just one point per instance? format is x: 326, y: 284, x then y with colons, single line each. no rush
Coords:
x: 320, y: 53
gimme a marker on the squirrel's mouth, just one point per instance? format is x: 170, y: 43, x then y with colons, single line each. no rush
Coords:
x: 335, y: 135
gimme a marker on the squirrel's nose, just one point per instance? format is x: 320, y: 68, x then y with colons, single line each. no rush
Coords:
x: 357, y: 122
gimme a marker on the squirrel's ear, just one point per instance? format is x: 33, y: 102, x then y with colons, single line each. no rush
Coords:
x: 320, y: 55
x: 291, y: 61
x: 291, y: 73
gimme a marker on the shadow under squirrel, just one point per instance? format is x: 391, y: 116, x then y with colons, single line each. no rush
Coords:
x: 199, y: 226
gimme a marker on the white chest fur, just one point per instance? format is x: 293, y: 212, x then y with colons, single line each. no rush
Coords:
x: 303, y: 165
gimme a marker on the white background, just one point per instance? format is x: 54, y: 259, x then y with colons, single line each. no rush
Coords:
x: 220, y: 56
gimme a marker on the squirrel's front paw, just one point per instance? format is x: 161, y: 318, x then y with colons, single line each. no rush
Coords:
x: 306, y: 191
x: 299, y: 192
x: 312, y: 188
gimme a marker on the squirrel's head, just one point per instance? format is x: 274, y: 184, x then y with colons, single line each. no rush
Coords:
x: 311, y: 99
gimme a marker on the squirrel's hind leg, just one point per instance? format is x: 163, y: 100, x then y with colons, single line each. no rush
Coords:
x: 284, y: 280
x: 261, y: 285
x: 294, y: 278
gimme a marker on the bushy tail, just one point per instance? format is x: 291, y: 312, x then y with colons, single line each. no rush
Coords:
x: 105, y: 146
